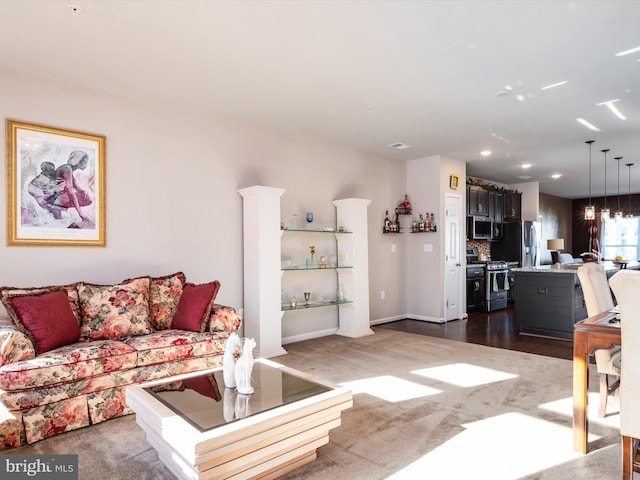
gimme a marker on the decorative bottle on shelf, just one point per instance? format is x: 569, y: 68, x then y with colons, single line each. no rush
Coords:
x: 340, y: 294
x: 421, y: 223
x: 414, y: 225
x: 434, y: 227
x: 397, y: 223
x: 406, y: 205
x: 387, y: 222
x: 427, y: 223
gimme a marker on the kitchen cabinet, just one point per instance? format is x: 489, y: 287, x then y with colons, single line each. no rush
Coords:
x: 512, y: 206
x: 548, y: 302
x: 496, y: 207
x: 477, y: 201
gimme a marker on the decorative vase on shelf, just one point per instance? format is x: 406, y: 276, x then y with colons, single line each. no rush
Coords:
x: 309, y: 218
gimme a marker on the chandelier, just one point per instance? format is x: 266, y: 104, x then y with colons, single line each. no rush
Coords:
x: 604, y: 213
x: 589, y: 210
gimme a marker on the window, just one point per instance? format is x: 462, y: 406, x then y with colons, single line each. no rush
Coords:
x: 620, y: 238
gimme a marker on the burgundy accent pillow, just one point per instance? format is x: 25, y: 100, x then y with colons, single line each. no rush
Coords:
x: 195, y: 306
x: 47, y: 319
x: 205, y: 385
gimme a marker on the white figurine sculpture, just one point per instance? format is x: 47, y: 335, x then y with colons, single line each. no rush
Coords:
x: 229, y: 360
x: 243, y: 368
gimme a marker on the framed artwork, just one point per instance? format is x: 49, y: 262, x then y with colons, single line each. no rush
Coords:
x: 453, y: 181
x: 56, y: 187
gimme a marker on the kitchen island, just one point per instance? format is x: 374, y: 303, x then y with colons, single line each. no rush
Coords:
x: 548, y: 300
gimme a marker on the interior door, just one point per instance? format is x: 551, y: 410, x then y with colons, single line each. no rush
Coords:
x: 453, y: 265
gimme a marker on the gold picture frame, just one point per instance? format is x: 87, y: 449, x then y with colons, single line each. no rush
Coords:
x: 454, y: 181
x: 56, y: 186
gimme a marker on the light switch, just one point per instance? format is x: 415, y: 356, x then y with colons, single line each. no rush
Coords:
x: 393, y: 248
x: 428, y: 247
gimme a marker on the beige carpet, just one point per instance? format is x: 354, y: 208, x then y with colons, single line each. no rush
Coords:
x: 424, y: 408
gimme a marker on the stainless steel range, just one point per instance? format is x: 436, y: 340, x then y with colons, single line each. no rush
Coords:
x: 495, y: 286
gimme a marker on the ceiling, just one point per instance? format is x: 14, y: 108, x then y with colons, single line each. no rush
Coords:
x: 367, y: 74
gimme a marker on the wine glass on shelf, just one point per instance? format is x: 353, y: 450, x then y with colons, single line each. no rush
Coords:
x: 307, y: 296
x: 309, y: 218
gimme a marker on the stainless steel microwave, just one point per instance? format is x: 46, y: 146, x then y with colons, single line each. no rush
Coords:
x: 480, y: 228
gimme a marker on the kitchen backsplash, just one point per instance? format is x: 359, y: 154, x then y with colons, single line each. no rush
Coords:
x: 482, y: 246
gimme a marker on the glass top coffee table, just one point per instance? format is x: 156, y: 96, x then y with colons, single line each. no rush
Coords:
x: 201, y: 429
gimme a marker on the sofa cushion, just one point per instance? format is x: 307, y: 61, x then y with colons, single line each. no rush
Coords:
x: 7, y: 293
x: 164, y: 296
x: 224, y: 319
x: 195, y: 306
x: 46, y: 319
x: 68, y: 364
x: 114, y: 311
x: 170, y: 345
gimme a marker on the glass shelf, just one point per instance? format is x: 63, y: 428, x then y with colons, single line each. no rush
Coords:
x: 288, y: 269
x: 303, y: 306
x: 312, y: 230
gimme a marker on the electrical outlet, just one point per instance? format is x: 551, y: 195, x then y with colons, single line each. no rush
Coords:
x: 382, y: 294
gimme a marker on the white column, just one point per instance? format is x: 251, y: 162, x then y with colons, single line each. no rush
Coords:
x: 351, y: 213
x: 262, y: 280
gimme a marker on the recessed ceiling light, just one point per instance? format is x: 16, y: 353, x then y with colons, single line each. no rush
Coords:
x: 556, y: 175
x: 614, y: 109
x: 582, y: 121
x: 525, y: 165
x: 627, y: 52
x: 485, y: 153
x: 554, y: 85
x: 399, y: 145
x: 524, y: 177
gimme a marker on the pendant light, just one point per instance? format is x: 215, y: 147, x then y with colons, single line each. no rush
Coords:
x: 604, y: 213
x: 618, y: 215
x: 589, y: 210
x: 629, y: 214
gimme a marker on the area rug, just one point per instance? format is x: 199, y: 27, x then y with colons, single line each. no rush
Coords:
x: 424, y: 408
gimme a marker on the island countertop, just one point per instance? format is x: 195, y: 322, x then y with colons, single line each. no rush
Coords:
x: 567, y: 268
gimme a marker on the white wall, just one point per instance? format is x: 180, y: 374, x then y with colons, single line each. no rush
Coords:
x: 172, y: 201
x: 427, y: 182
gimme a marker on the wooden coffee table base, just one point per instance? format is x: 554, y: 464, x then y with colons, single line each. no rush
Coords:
x: 265, y: 445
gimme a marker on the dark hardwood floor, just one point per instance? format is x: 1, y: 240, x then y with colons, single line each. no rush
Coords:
x: 495, y: 329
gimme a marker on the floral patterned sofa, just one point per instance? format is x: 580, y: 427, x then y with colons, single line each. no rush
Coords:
x: 67, y: 353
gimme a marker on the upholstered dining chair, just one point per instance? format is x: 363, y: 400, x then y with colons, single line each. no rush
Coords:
x: 626, y: 287
x: 598, y: 299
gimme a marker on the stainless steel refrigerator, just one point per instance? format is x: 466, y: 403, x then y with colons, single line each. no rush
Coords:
x: 520, y: 243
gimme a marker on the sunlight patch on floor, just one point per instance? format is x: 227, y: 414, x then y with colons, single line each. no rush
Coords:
x: 464, y: 374
x: 391, y: 389
x: 564, y: 406
x: 506, y: 446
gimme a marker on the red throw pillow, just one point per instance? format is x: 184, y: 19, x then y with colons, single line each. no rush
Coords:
x: 195, y: 306
x: 47, y: 319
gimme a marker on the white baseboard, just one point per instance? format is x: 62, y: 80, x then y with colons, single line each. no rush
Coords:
x: 309, y: 335
x: 387, y: 319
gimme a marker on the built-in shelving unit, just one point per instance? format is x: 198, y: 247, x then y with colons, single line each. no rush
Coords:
x: 269, y: 257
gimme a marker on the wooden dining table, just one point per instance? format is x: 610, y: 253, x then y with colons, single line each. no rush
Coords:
x: 589, y: 335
